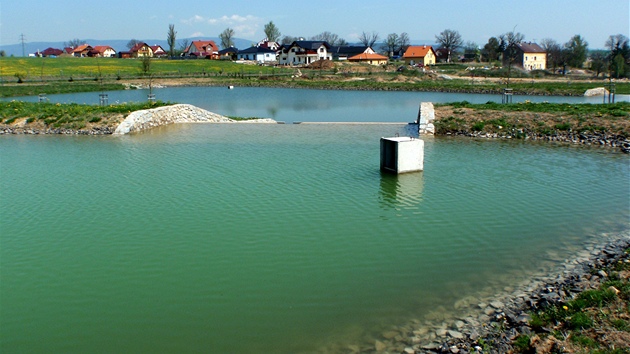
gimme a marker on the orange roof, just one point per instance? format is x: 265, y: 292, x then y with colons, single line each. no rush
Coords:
x: 102, y: 48
x: 81, y: 48
x: 418, y: 51
x: 368, y: 56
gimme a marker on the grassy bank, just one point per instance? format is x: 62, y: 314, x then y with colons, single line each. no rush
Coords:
x: 521, y: 120
x: 43, y: 116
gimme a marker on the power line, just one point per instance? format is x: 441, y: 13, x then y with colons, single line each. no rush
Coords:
x: 23, y: 39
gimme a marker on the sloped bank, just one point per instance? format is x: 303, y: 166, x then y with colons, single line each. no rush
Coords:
x: 589, y: 125
x: 180, y: 113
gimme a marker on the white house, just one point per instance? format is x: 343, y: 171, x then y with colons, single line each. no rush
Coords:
x: 258, y: 54
x: 304, y: 52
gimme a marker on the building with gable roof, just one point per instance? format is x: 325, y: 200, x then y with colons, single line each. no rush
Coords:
x: 202, y: 49
x: 158, y: 51
x: 530, y: 56
x: 304, y: 52
x: 369, y: 58
x: 103, y: 51
x: 82, y: 50
x: 419, y: 54
x: 258, y: 54
x: 346, y: 51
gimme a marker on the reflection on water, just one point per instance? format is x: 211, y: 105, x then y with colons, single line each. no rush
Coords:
x: 403, y: 191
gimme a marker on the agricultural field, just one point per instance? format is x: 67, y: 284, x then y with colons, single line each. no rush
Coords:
x: 30, y: 76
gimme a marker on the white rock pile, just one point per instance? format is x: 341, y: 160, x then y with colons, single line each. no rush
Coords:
x: 179, y: 113
x: 598, y: 91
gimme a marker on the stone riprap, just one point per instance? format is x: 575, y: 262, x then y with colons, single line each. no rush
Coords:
x: 180, y: 113
x: 598, y: 91
x: 426, y: 116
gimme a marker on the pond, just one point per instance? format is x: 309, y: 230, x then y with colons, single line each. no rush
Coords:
x: 276, y: 238
x: 302, y: 105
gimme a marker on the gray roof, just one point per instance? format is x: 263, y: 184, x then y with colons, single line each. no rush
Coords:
x: 256, y: 50
x: 530, y: 48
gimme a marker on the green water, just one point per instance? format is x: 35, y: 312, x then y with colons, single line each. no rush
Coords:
x: 274, y: 238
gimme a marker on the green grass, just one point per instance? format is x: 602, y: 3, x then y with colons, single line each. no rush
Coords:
x: 38, y: 69
x: 67, y: 116
x: 59, y: 70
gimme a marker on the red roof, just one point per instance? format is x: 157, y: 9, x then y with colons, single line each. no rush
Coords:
x: 102, y: 48
x: 138, y: 47
x: 157, y: 49
x: 204, y: 46
x: 51, y: 51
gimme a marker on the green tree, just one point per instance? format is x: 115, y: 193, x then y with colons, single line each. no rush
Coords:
x: 492, y: 49
x: 170, y: 39
x: 450, y: 40
x: 618, y: 55
x: 272, y: 32
x: 226, y: 38
x: 577, y: 49
x: 598, y: 63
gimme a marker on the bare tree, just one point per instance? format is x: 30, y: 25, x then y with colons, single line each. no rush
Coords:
x: 272, y: 32
x: 330, y: 38
x: 184, y: 44
x: 368, y: 39
x: 450, y: 40
x: 508, y: 42
x: 403, y: 43
x: 73, y: 43
x: 289, y: 39
x: 170, y: 39
x: 133, y: 43
x: 390, y: 44
x: 226, y: 38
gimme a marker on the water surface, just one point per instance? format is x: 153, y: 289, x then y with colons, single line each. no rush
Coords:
x: 275, y: 238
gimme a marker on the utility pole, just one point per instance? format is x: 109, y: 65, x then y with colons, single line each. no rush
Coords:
x: 22, y: 39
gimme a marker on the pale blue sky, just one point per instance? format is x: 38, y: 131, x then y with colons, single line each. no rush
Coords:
x: 476, y: 20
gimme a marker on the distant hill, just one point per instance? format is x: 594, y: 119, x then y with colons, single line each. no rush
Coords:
x: 118, y: 44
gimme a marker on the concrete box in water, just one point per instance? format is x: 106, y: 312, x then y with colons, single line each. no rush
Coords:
x: 402, y: 154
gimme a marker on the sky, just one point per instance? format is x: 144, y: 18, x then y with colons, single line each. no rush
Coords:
x: 475, y: 20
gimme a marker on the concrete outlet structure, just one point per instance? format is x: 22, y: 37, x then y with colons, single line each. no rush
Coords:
x: 402, y: 155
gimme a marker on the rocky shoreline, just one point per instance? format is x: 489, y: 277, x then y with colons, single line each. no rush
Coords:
x: 491, y: 324
x: 594, y: 139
